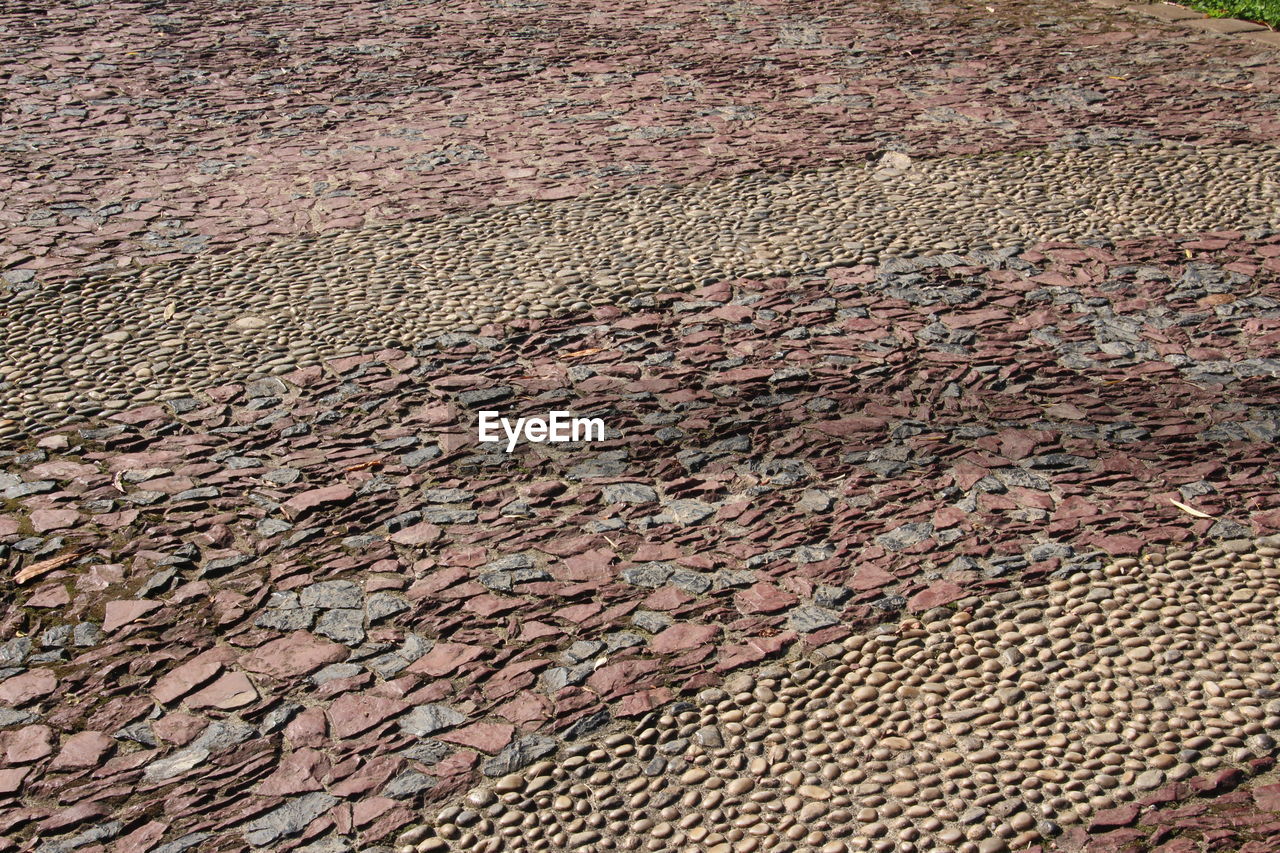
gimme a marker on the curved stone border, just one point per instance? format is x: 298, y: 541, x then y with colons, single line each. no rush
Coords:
x: 1198, y: 20
x: 980, y: 728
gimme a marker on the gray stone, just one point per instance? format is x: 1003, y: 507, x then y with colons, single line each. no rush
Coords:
x: 15, y: 717
x: 443, y: 515
x: 332, y: 594
x: 691, y: 581
x: 622, y: 640
x: 628, y: 493
x: 447, y: 496
x: 414, y: 458
x: 558, y: 677
x: 222, y: 565
x: 803, y: 554
x: 94, y: 834
x: 588, y: 724
x: 282, y: 476
x: 731, y: 579
x: 709, y: 737
x: 905, y: 536
x: 508, y: 563
x: 650, y: 575
x: 582, y: 650
x: 344, y: 626
x: 268, y: 527
x: 388, y: 665
x: 686, y: 511
x: 87, y: 634
x: 294, y: 619
x: 289, y: 819
x: 518, y: 754
x: 485, y: 396
x: 334, y: 671
x: 380, y: 605
x: 650, y: 621
x: 278, y: 718
x: 812, y: 500
x: 408, y: 784
x: 831, y: 596
x: 807, y: 618
x: 176, y: 764
x: 430, y: 718
x: 203, y: 493
x: 15, y: 651
x: 428, y: 751
x: 221, y: 735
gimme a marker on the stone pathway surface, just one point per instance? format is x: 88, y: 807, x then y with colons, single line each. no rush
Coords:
x: 135, y: 133
x: 320, y: 589
x: 102, y: 344
x: 937, y: 508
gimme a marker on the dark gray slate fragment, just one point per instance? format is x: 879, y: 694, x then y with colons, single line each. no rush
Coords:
x: 905, y: 536
x: 512, y: 561
x: 99, y: 832
x: 518, y: 754
x: 559, y: 677
x: 691, y: 581
x: 686, y: 511
x: 428, y: 751
x: 650, y: 575
x: 831, y: 597
x: 269, y: 527
x: 584, y: 726
x: 628, y: 493
x: 292, y: 619
x: 808, y: 617
x: 582, y: 650
x: 447, y: 496
x: 430, y: 718
x: 408, y: 784
x: 190, y: 841
x: 202, y: 493
x: 289, y: 819
x: 383, y: 604
x: 345, y: 626
x: 486, y: 396
x: 277, y: 718
x: 650, y: 621
x: 332, y: 594
x: 441, y: 515
x: 416, y: 457
x: 223, y: 565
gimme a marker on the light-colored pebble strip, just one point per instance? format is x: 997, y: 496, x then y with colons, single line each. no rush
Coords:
x: 974, y: 730
x: 105, y: 344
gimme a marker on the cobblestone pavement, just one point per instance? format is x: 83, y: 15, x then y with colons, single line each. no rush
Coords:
x: 309, y: 603
x: 136, y: 133
x: 99, y: 345
x: 936, y: 509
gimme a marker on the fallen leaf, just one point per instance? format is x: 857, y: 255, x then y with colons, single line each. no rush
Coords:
x: 169, y: 311
x: 43, y: 567
x: 1189, y: 510
x: 583, y: 352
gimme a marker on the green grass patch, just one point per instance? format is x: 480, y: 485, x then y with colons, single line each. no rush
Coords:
x: 1260, y: 11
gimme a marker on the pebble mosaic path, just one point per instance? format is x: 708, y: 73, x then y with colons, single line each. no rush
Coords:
x: 101, y: 344
x: 937, y: 509
x: 306, y: 604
